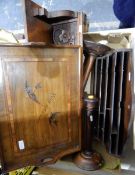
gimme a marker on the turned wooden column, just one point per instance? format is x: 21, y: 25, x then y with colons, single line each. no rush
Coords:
x: 91, y: 51
x: 88, y: 159
x: 87, y: 66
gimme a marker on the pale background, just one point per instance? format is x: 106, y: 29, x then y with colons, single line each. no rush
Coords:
x: 99, y: 12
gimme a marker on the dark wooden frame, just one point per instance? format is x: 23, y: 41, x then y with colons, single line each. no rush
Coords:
x: 104, y: 133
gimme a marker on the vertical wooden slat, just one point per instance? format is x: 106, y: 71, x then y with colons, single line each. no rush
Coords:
x: 105, y: 95
x: 112, y: 79
x: 102, y: 92
x: 125, y: 103
x: 117, y: 110
x: 98, y: 67
x: 95, y: 82
x: 98, y: 92
x: 108, y: 99
x: 112, y: 86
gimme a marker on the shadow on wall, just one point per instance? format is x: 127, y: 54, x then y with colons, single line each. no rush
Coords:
x: 100, y: 13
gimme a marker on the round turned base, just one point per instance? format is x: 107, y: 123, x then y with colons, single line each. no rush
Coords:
x: 89, y: 162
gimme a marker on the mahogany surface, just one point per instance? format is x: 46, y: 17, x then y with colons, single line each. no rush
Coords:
x: 40, y: 101
x: 63, y: 27
x: 35, y: 30
x: 54, y: 16
x: 88, y: 159
x: 91, y: 51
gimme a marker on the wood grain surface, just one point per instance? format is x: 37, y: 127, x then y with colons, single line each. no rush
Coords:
x: 35, y: 30
x: 40, y: 90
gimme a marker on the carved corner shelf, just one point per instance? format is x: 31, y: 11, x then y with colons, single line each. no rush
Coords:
x: 64, y: 27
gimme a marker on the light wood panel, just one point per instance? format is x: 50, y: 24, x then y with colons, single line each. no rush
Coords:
x: 40, y: 91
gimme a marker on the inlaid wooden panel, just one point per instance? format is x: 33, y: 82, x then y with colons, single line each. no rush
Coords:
x: 40, y: 105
